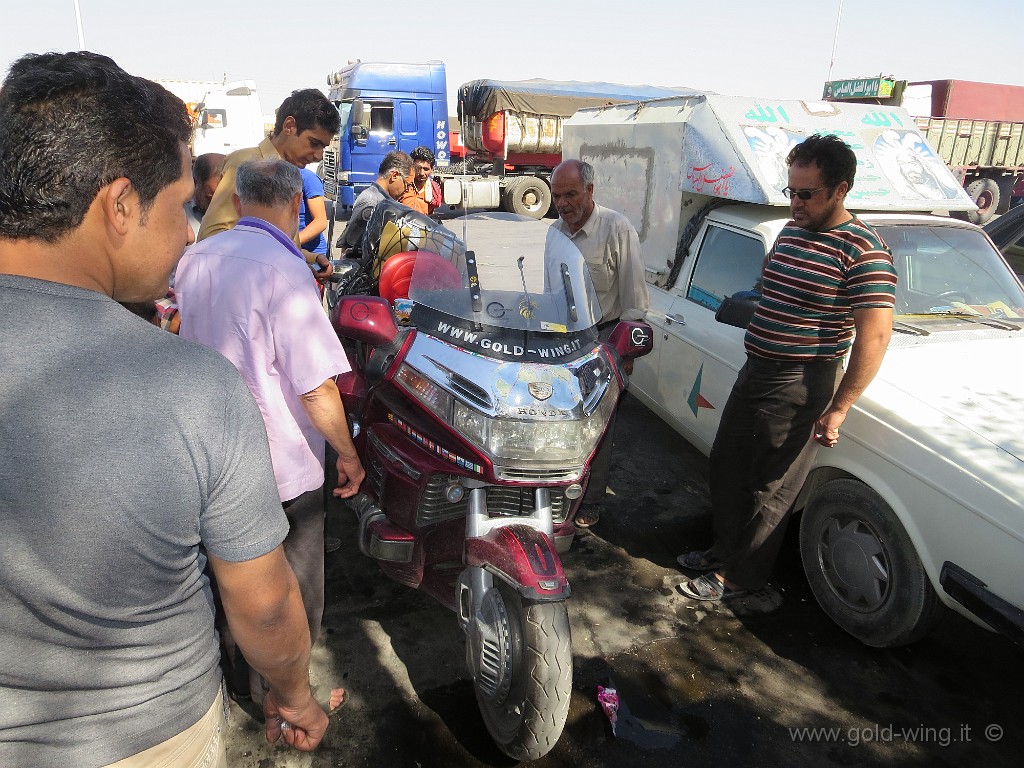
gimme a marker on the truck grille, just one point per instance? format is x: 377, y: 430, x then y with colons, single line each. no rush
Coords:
x: 329, y: 173
x: 502, y: 500
x: 329, y: 165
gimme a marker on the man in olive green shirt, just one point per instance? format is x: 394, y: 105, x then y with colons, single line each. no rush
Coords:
x: 306, y: 122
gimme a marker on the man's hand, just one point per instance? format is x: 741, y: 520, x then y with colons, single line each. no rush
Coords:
x: 301, y: 727
x: 874, y: 326
x: 826, y: 429
x: 350, y: 476
x: 326, y: 267
x: 327, y: 414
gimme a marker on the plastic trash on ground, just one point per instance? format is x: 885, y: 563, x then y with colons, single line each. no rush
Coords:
x: 609, y: 700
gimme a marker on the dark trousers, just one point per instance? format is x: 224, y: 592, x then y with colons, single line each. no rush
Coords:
x: 760, y: 459
x: 601, y: 466
x: 304, y: 549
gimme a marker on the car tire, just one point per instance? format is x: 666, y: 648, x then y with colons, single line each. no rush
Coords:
x: 863, y: 568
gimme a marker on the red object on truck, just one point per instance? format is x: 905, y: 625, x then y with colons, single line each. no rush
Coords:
x: 965, y: 99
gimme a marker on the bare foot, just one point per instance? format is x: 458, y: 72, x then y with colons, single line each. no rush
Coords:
x: 336, y: 699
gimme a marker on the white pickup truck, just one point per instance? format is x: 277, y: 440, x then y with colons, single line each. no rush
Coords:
x: 921, y: 504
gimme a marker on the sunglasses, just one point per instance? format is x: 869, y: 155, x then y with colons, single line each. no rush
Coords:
x: 803, y: 194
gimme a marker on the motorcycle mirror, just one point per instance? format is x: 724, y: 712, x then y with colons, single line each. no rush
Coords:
x: 365, y: 318
x: 632, y: 339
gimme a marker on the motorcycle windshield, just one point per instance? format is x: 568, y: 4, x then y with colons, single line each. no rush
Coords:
x: 537, y: 283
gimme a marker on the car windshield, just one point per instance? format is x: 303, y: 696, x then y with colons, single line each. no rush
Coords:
x: 947, y: 270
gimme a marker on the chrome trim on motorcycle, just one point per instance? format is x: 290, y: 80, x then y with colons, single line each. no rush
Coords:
x: 502, y: 500
x: 479, y: 522
x: 393, y: 457
x: 577, y: 385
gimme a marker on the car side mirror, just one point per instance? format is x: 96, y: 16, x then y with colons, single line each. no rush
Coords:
x: 737, y: 310
x: 365, y: 318
x: 632, y: 339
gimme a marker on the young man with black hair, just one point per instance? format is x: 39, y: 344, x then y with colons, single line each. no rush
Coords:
x: 306, y: 122
x: 129, y: 458
x: 424, y: 194
x: 828, y: 274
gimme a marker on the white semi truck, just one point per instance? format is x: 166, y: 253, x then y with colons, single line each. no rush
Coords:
x: 227, y: 115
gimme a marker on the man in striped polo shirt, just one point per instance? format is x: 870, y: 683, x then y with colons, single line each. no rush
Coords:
x: 828, y: 274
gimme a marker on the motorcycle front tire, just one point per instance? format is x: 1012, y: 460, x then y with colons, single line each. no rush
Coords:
x: 528, y: 721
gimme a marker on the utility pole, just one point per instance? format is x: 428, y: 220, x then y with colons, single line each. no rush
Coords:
x: 81, y: 35
x: 835, y: 41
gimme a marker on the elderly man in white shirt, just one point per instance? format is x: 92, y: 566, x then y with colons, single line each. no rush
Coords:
x: 607, y: 240
x: 611, y: 247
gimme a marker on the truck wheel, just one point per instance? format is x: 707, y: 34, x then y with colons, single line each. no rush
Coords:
x: 862, y: 566
x: 527, y: 196
x: 985, y: 193
x: 525, y: 672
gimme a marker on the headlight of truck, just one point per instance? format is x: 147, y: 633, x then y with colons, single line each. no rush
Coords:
x: 341, y: 175
x: 539, y: 444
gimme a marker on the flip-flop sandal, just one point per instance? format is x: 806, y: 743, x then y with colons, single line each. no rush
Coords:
x: 698, y: 561
x: 709, y: 589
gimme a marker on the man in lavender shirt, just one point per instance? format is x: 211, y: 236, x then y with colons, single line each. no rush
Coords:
x: 248, y: 293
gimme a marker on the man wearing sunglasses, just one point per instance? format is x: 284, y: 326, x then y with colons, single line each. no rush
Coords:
x: 827, y: 275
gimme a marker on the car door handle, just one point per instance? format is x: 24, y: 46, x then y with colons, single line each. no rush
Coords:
x: 675, y: 317
x: 392, y: 142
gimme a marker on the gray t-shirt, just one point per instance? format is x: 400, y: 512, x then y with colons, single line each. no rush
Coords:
x: 124, y: 452
x: 361, y: 210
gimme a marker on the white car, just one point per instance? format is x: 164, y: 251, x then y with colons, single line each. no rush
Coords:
x: 921, y: 504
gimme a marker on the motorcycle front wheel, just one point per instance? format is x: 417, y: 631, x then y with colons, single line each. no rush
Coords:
x: 525, y: 672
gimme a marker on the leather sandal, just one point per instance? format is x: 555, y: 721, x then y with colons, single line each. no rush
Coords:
x: 708, y: 589
x: 698, y: 561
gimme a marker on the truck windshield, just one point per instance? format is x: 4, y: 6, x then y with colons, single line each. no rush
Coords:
x: 344, y: 109
x: 950, y: 270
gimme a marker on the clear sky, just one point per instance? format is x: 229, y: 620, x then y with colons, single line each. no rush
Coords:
x: 781, y: 48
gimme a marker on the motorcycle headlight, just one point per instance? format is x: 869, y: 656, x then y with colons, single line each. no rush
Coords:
x: 537, y: 444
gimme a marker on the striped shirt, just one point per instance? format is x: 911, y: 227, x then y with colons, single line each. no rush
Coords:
x: 812, y: 282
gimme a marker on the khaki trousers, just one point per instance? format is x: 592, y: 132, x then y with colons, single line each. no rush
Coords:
x: 198, y: 746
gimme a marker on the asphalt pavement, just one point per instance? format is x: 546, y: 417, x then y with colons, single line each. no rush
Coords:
x: 768, y: 680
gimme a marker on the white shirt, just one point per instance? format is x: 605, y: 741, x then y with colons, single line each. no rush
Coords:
x: 611, y: 248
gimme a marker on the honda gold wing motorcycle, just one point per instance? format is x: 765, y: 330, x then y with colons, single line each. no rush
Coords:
x: 480, y: 393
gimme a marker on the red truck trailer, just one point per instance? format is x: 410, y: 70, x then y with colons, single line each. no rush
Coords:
x: 978, y: 130
x: 509, y: 136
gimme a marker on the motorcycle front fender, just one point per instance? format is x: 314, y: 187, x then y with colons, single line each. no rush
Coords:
x: 522, y: 556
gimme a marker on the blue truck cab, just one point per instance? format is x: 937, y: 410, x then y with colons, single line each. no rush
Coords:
x: 383, y: 106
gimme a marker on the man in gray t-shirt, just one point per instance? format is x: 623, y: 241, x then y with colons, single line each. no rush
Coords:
x: 129, y: 458
x: 394, y: 176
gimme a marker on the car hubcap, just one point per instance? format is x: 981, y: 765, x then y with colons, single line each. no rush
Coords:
x: 855, y: 563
